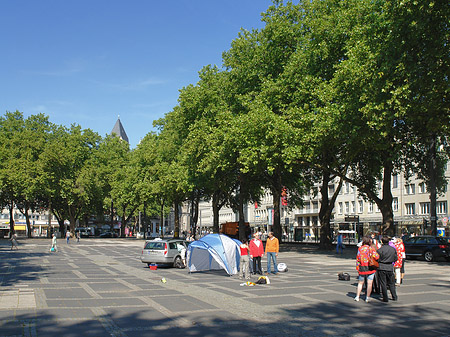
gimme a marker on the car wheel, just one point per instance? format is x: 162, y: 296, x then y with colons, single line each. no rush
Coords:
x: 428, y: 256
x: 178, y: 263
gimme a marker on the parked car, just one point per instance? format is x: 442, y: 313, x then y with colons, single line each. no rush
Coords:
x: 427, y: 246
x: 108, y: 235
x: 163, y: 251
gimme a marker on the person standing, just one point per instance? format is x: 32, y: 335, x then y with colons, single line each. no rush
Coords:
x: 256, y: 253
x: 400, y: 247
x: 78, y: 237
x: 388, y: 256
x: 272, y: 248
x: 244, y: 262
x: 14, y: 242
x: 339, y: 245
x: 68, y: 236
x: 53, y: 243
x: 365, y: 252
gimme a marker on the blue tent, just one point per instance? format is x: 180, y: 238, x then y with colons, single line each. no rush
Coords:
x: 214, y: 252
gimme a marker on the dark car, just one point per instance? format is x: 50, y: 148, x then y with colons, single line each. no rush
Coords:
x: 108, y: 235
x: 429, y: 247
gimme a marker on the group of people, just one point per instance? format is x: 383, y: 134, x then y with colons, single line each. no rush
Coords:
x: 255, y: 250
x: 390, y: 258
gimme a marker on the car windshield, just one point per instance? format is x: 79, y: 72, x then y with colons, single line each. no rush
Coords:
x: 158, y: 245
x: 442, y: 241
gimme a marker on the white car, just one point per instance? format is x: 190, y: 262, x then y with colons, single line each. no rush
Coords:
x: 164, y: 251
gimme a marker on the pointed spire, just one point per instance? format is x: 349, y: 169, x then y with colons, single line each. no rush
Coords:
x: 119, y: 131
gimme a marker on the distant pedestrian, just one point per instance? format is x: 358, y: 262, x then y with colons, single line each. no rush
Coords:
x: 14, y: 242
x: 339, y: 245
x: 244, y: 263
x: 53, y: 248
x: 388, y: 256
x: 68, y: 237
x: 78, y: 237
x: 365, y: 252
x: 256, y: 253
x: 272, y: 248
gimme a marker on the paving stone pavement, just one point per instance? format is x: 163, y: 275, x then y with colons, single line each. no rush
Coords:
x: 99, y: 287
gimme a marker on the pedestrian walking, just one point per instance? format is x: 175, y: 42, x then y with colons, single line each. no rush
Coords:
x: 78, y: 237
x: 14, y: 243
x: 53, y: 248
x: 339, y: 245
x: 244, y: 263
x: 68, y: 236
x: 272, y: 248
x: 365, y: 252
x: 388, y: 256
x: 256, y: 253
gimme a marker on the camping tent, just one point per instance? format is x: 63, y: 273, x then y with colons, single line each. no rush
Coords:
x: 213, y: 252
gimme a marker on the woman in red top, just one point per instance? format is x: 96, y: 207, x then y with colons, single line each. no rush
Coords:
x: 362, y: 266
x: 398, y: 265
x: 256, y: 252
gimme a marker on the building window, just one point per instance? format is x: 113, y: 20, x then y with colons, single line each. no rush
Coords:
x: 395, y: 204
x: 370, y: 207
x: 441, y: 207
x: 331, y: 189
x: 361, y: 206
x: 307, y: 207
x: 422, y: 188
x: 315, y: 206
x: 424, y: 208
x: 395, y: 181
x: 347, y: 207
x: 353, y: 207
x: 347, y: 187
x: 410, y: 189
x: 341, y: 208
x: 410, y: 209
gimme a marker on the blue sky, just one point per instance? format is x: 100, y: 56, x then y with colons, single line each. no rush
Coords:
x: 88, y: 61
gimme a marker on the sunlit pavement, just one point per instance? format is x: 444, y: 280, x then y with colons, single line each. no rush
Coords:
x: 99, y: 287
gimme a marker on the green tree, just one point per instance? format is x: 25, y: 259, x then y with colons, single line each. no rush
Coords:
x: 63, y: 160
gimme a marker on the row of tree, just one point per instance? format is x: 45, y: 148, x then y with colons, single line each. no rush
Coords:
x: 71, y: 172
x: 328, y: 90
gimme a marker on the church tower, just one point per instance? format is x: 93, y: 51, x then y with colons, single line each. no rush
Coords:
x: 119, y: 131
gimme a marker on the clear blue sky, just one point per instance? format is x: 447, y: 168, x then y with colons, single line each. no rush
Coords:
x: 88, y: 61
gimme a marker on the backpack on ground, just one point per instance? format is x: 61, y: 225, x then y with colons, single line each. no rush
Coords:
x: 344, y: 277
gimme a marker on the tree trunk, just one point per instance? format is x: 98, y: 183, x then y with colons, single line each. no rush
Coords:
x: 324, y: 215
x: 194, y: 214
x: 326, y: 209
x: 27, y: 219
x: 242, y: 237
x: 123, y: 223
x: 112, y: 217
x: 162, y: 219
x: 433, y: 188
x: 276, y: 227
x: 11, y: 219
x: 385, y: 204
x: 216, y: 209
x: 176, y: 230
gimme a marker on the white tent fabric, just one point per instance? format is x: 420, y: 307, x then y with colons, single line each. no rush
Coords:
x: 214, y: 252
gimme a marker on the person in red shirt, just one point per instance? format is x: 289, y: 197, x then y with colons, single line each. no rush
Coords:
x: 256, y: 253
x: 244, y: 263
